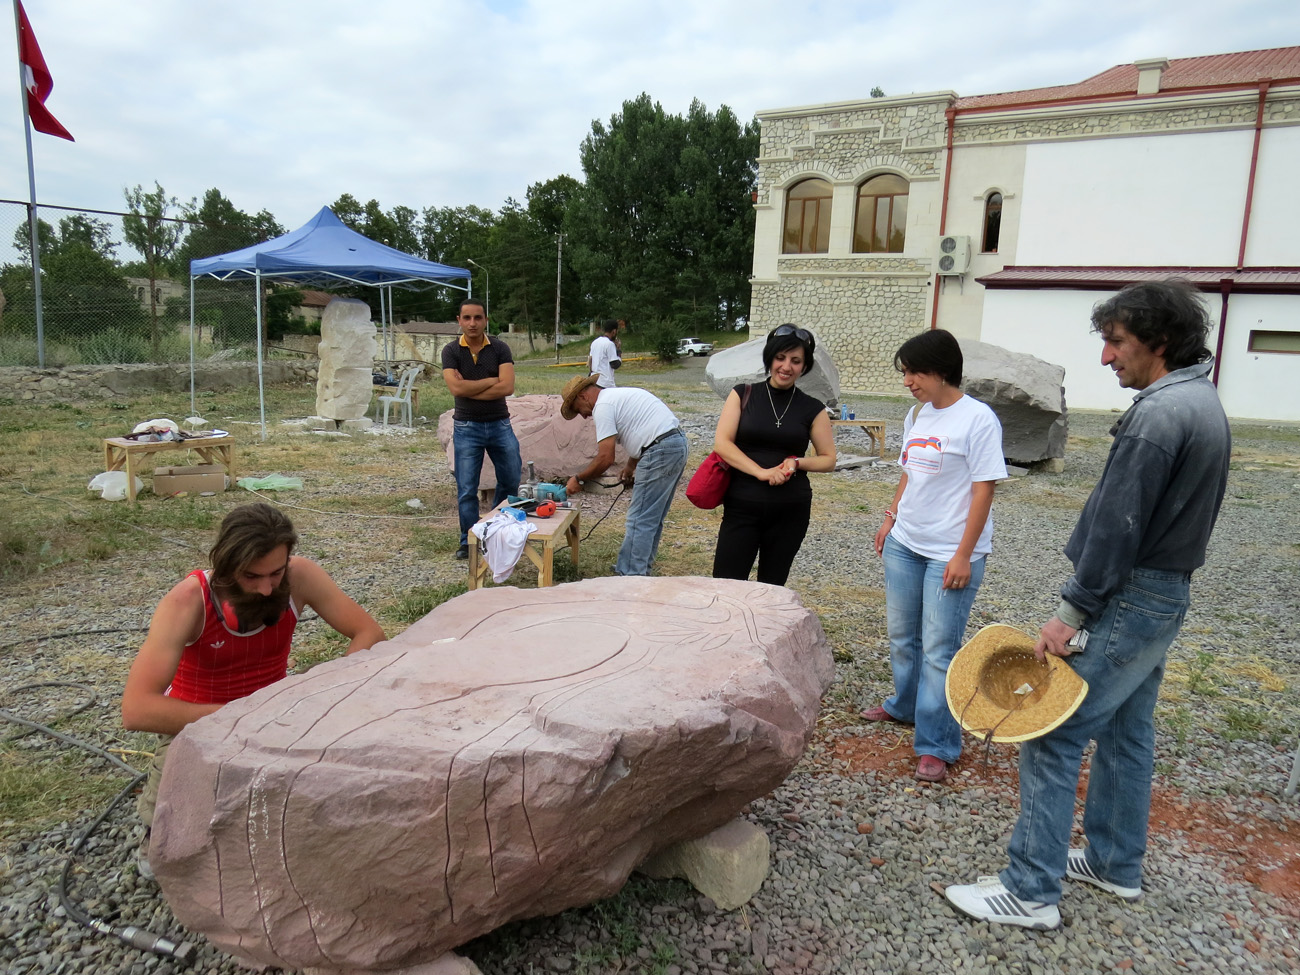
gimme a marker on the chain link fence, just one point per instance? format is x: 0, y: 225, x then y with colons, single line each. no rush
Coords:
x: 105, y: 302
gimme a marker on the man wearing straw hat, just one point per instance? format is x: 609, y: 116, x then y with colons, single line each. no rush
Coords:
x: 1141, y: 534
x: 656, y: 448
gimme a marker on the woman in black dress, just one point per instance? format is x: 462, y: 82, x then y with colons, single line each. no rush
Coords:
x: 763, y: 434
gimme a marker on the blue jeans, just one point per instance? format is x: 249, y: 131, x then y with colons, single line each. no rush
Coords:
x: 1123, y: 664
x: 470, y: 439
x: 927, y: 626
x: 657, y: 474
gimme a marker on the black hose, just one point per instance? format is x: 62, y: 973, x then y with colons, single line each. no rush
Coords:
x: 129, y: 934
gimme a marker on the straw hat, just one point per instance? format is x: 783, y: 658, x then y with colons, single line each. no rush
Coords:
x: 996, y: 686
x: 571, y: 391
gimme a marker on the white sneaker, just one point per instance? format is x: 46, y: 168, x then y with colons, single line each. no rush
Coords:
x: 989, y: 900
x: 1078, y: 868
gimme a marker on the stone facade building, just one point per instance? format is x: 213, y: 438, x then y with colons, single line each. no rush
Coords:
x: 1044, y: 201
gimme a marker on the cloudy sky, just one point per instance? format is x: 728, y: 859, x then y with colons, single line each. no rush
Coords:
x: 285, y: 104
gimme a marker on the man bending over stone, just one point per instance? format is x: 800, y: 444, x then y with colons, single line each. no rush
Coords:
x: 222, y: 634
x: 656, y: 448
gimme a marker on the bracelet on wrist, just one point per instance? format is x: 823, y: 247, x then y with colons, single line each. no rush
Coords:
x: 892, y: 516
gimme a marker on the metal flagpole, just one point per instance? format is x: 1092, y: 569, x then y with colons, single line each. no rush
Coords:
x: 559, y: 252
x: 193, y: 409
x: 261, y: 393
x: 33, y: 221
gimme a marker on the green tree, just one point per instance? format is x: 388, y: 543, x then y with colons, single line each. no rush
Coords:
x: 662, y: 227
x: 155, y: 235
x: 83, y: 291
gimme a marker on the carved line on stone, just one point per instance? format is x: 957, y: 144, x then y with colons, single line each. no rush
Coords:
x: 350, y: 687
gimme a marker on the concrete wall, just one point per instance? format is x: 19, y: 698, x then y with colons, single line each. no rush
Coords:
x: 1155, y: 200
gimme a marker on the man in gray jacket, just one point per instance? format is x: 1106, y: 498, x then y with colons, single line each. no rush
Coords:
x: 1142, y: 533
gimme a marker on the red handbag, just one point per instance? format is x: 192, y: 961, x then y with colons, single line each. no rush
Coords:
x: 709, y: 483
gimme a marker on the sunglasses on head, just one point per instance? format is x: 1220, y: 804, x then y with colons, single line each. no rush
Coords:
x: 802, y: 334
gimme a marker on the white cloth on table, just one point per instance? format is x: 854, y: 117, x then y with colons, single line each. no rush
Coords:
x: 504, y: 536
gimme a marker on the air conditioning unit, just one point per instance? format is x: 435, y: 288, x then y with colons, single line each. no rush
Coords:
x: 954, y: 255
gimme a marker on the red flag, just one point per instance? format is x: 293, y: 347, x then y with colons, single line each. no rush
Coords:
x: 37, y: 80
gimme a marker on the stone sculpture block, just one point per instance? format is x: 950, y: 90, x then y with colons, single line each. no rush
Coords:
x: 512, y: 754
x: 1025, y: 392
x: 347, y: 355
x: 556, y: 446
x: 727, y: 866
x: 744, y: 364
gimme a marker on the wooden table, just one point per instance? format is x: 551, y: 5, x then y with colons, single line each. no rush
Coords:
x: 875, y: 429
x: 540, y: 548
x: 121, y: 453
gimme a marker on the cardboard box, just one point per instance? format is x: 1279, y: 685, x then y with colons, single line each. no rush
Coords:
x: 195, y: 480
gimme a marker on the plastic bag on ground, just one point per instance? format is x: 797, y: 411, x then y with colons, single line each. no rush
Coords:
x: 111, y: 485
x: 272, y: 482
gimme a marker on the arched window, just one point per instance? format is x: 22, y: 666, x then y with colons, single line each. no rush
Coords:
x: 992, y: 223
x: 881, y: 222
x: 808, y: 217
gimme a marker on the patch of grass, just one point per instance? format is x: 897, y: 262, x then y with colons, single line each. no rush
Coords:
x: 39, y: 789
x: 321, y: 646
x: 419, y: 601
x: 1242, y: 722
x: 1181, y: 724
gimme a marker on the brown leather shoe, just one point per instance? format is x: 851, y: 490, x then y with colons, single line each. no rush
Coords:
x: 931, y: 769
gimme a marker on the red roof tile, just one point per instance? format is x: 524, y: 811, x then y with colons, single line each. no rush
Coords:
x: 1256, y: 280
x: 1243, y: 69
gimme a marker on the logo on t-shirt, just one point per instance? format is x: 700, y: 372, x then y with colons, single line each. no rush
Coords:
x: 924, y: 454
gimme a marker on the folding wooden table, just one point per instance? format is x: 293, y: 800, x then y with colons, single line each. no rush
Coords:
x: 121, y: 453
x: 540, y: 548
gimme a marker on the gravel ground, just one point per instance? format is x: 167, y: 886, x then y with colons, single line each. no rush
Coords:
x: 860, y: 850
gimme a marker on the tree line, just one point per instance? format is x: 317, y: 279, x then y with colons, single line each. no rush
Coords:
x: 659, y: 230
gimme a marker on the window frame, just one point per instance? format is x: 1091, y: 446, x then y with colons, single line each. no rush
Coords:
x: 989, y: 215
x: 859, y: 196
x: 821, y: 221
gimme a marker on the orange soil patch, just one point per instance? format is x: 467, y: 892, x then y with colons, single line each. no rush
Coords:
x: 1261, y: 853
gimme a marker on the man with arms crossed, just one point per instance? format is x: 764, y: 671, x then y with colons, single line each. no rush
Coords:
x: 656, y: 448
x: 604, y: 358
x: 480, y: 372
x: 221, y: 635
x: 1141, y: 534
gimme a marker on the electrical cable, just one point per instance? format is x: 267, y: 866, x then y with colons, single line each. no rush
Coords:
x: 66, y: 633
x: 129, y: 934
x: 351, y: 514
x: 620, y: 494
x: 85, y: 705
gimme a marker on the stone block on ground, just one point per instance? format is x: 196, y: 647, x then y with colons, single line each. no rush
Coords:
x: 744, y: 364
x: 557, y: 447
x: 514, y: 753
x: 727, y: 865
x: 1025, y: 392
x: 344, y: 383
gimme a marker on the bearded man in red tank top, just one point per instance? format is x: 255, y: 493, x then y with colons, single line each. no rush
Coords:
x: 224, y: 633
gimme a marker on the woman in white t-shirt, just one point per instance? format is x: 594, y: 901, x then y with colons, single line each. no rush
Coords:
x: 934, y: 539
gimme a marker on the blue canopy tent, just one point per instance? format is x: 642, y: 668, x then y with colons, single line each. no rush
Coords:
x: 322, y: 252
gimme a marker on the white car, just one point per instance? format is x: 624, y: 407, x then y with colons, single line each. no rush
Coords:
x: 693, y: 346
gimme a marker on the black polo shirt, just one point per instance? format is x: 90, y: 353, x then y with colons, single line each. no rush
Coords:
x: 488, y: 366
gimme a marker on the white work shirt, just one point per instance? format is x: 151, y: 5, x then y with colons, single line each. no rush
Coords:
x: 604, y: 352
x: 635, y: 416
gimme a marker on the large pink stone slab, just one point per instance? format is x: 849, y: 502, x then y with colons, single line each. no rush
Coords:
x: 556, y: 446
x: 514, y: 753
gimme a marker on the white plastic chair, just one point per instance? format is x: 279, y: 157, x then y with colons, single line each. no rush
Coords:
x: 403, y: 395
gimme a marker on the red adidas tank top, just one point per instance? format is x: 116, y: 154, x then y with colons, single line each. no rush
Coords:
x: 223, y: 665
